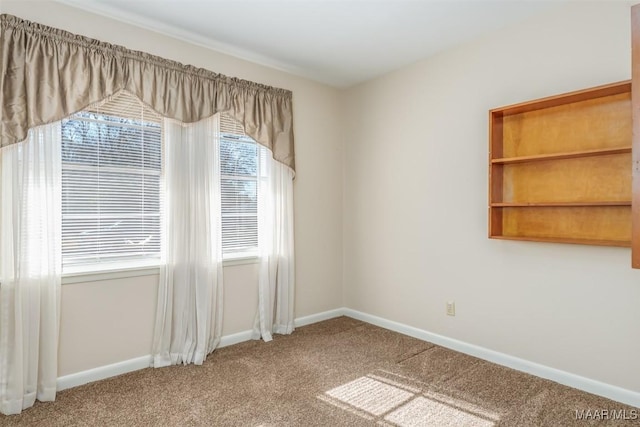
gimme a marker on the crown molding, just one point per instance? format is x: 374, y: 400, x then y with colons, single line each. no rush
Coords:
x: 193, y: 38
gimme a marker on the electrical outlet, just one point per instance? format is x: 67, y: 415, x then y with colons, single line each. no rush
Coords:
x: 451, y: 308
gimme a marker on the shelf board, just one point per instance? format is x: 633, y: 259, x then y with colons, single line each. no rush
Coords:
x: 568, y: 155
x: 620, y: 243
x: 566, y: 98
x: 559, y: 204
x: 559, y: 168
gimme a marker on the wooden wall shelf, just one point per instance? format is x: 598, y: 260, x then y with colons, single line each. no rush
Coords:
x: 619, y: 243
x: 635, y: 153
x: 560, y: 168
x: 522, y: 205
x: 571, y: 155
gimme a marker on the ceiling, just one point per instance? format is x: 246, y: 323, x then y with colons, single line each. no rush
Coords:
x: 340, y: 43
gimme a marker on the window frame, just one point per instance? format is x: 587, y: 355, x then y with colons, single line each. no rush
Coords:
x: 243, y: 257
x: 146, y: 266
x: 139, y: 114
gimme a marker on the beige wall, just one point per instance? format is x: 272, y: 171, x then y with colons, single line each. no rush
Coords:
x: 112, y: 321
x: 413, y: 197
x: 415, y: 202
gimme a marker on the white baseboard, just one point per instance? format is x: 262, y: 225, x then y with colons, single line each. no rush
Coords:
x: 102, y: 372
x: 237, y: 338
x: 108, y: 371
x: 318, y: 317
x: 609, y: 391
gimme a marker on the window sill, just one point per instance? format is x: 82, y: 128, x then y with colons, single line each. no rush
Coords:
x: 109, y: 274
x: 240, y: 260
x: 137, y: 271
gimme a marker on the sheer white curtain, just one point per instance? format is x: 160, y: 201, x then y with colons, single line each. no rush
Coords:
x: 189, y: 314
x: 275, y: 226
x: 30, y: 268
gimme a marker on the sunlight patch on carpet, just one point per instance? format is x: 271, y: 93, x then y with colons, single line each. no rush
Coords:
x: 392, y: 402
x: 423, y: 412
x: 370, y: 395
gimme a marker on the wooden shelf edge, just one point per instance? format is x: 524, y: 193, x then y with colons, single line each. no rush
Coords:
x: 558, y: 204
x: 565, y: 98
x: 618, y: 243
x: 567, y: 155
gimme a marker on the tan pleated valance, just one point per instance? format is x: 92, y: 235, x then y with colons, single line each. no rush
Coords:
x: 49, y: 74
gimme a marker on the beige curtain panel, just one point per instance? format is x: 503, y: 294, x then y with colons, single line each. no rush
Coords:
x: 49, y: 74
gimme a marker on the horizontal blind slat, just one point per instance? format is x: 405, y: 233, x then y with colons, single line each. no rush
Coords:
x: 112, y: 159
x: 239, y: 166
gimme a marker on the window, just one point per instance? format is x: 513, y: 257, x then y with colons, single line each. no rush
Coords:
x: 111, y: 185
x: 240, y: 167
x: 112, y: 181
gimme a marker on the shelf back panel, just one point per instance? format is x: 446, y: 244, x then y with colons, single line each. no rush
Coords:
x: 592, y: 223
x: 603, y: 122
x: 585, y: 179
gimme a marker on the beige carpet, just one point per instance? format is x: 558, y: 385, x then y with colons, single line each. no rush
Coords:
x: 341, y: 372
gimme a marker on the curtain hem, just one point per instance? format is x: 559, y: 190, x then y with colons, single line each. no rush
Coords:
x: 12, y: 407
x: 47, y: 394
x: 283, y: 329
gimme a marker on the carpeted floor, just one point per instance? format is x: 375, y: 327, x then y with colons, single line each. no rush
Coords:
x: 340, y: 372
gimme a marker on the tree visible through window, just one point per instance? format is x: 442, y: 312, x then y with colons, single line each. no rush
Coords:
x: 111, y: 171
x: 240, y: 172
x: 111, y: 186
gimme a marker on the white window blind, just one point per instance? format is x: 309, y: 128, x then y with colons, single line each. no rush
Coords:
x: 240, y: 161
x: 111, y: 189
